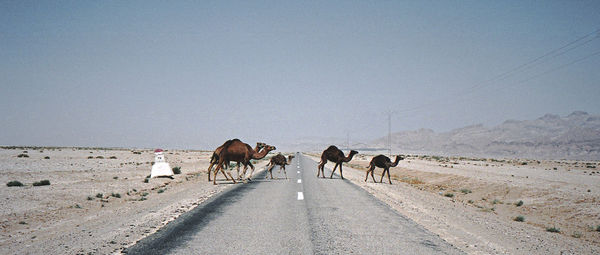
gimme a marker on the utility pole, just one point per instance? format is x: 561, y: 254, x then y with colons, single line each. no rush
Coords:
x: 348, y: 140
x: 389, y: 114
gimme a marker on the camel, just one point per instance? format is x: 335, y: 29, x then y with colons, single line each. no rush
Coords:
x: 236, y: 150
x: 384, y: 162
x: 335, y: 155
x: 215, y: 158
x: 290, y: 157
x: 279, y: 160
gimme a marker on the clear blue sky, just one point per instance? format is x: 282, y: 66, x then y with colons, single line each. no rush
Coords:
x: 191, y: 74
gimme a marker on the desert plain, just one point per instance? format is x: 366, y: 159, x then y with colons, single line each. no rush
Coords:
x: 100, y: 200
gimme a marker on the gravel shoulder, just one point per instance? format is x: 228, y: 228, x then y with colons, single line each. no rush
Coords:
x: 481, y: 220
x: 70, y: 217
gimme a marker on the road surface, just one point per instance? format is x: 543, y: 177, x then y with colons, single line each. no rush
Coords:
x: 301, y: 215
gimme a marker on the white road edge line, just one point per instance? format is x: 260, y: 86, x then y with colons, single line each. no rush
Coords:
x: 300, y: 196
x: 299, y: 180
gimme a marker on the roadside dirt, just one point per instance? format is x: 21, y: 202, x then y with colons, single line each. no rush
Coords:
x: 473, y: 203
x: 95, y: 204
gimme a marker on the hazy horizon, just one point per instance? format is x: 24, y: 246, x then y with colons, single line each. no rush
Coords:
x: 193, y: 74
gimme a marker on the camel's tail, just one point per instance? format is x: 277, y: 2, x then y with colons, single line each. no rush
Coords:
x: 213, y: 159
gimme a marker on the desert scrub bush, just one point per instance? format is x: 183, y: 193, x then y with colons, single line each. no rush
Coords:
x: 90, y: 157
x: 465, y: 191
x: 14, y: 184
x: 22, y: 223
x: 100, y: 157
x: 160, y: 191
x: 520, y: 203
x: 42, y: 183
x: 113, y: 157
x: 99, y: 195
x: 553, y: 229
x: 117, y: 195
x: 23, y: 156
x: 90, y: 198
x: 47, y: 157
x: 519, y: 218
x: 576, y: 234
x: 146, y: 180
x: 116, y: 177
x: 177, y: 170
x: 496, y: 201
x: 598, y: 228
x: 449, y: 195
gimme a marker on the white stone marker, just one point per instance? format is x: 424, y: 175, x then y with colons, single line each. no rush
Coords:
x: 160, y: 167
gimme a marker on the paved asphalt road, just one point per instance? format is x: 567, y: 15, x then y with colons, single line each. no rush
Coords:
x: 301, y: 215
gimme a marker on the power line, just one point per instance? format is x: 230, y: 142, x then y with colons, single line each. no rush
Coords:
x: 561, y: 66
x: 527, y: 65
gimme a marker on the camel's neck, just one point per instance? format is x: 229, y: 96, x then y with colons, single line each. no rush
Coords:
x: 348, y: 158
x: 261, y: 154
x: 396, y: 161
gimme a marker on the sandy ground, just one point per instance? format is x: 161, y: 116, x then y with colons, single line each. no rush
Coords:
x: 67, y: 217
x: 472, y: 203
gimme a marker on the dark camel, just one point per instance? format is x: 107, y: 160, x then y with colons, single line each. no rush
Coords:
x: 215, y: 158
x: 384, y: 162
x: 236, y: 150
x: 279, y: 160
x: 335, y: 155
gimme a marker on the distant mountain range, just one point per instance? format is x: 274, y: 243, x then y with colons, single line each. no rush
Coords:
x: 576, y: 136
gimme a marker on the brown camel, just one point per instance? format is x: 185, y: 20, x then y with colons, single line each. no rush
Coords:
x: 279, y: 160
x: 215, y: 158
x: 236, y: 150
x: 335, y: 155
x: 384, y: 162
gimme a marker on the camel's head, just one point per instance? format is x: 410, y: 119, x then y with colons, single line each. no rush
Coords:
x: 260, y: 145
x: 353, y: 152
x: 400, y: 157
x: 269, y: 147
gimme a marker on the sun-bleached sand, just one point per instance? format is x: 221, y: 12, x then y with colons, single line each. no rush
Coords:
x: 67, y: 217
x: 472, y: 203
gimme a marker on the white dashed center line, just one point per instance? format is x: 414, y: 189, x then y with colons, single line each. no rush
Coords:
x: 299, y: 181
x: 300, y: 196
x: 298, y: 172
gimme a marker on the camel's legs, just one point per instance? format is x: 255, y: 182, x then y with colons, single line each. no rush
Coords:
x: 270, y: 170
x: 251, y: 172
x: 220, y: 167
x: 372, y: 177
x: 209, y: 169
x: 333, y: 171
x: 283, y: 167
x: 388, y: 174
x: 371, y: 170
x: 321, y: 167
x: 341, y: 174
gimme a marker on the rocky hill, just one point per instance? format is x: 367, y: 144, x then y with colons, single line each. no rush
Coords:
x: 576, y: 136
